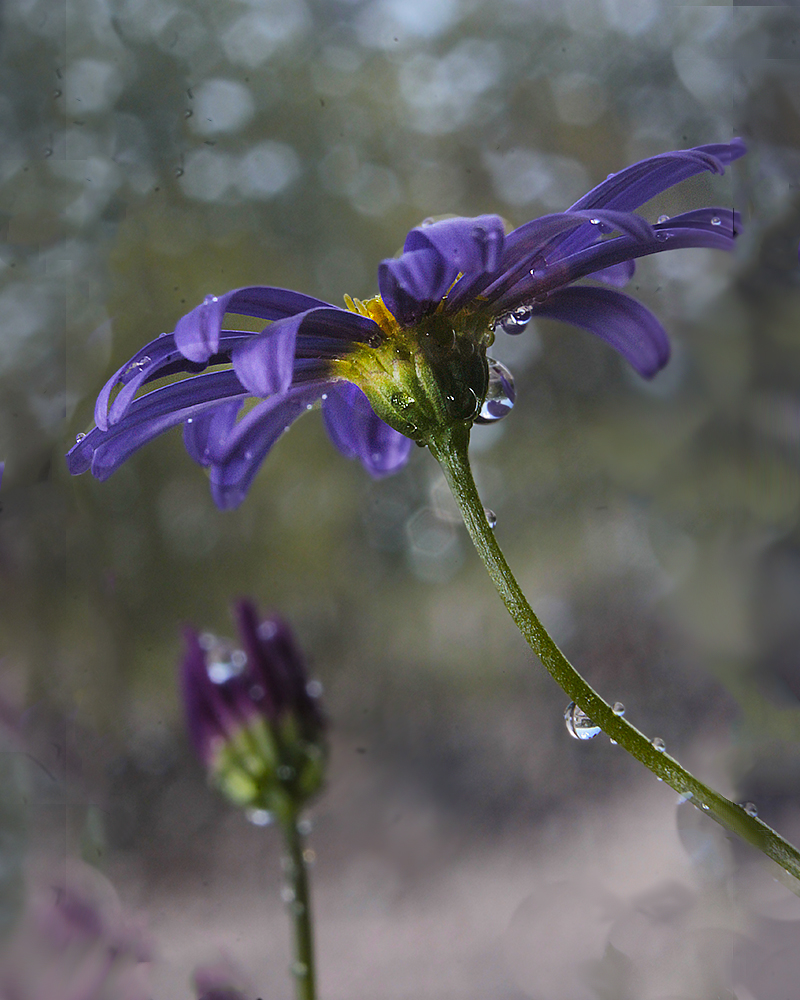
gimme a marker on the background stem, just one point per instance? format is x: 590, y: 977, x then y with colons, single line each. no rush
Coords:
x: 302, y: 968
x: 450, y: 448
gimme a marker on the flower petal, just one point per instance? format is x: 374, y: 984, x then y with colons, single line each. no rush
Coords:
x: 358, y: 432
x: 413, y: 285
x: 633, y: 186
x: 619, y: 320
x: 588, y: 261
x: 473, y: 247
x: 148, y: 416
x: 264, y: 364
x: 246, y: 446
x: 205, y: 435
x: 197, y: 333
x: 527, y: 249
x: 617, y: 275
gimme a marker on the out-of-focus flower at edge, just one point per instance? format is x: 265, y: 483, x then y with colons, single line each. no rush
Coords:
x: 75, y: 943
x: 412, y: 360
x: 221, y: 980
x: 254, y: 716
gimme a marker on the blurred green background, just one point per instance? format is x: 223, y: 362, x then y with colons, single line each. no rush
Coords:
x: 154, y: 152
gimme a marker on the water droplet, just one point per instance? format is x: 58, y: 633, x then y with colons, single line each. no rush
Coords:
x: 223, y: 662
x: 491, y: 517
x: 79, y: 437
x: 285, y: 772
x: 662, y: 236
x: 248, y: 454
x: 309, y: 406
x: 516, y: 321
x: 686, y: 797
x: 663, y: 218
x: 309, y: 856
x: 314, y: 689
x: 207, y: 640
x: 209, y: 299
x: 139, y: 365
x: 179, y: 171
x: 259, y: 817
x: 267, y: 630
x: 162, y: 335
x: 188, y: 113
x: 56, y: 94
x: 619, y: 708
x: 612, y: 742
x: 304, y: 827
x: 299, y: 970
x: 595, y: 222
x: 658, y: 744
x: 190, y: 420
x: 287, y: 894
x: 500, y: 394
x: 579, y: 725
x: 257, y: 692
x: 716, y: 221
x: 750, y: 808
x: 324, y: 395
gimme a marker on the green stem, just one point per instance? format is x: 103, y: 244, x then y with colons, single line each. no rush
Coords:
x: 300, y: 907
x: 450, y: 448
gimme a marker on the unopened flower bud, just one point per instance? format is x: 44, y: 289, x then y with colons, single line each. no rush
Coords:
x: 253, y: 716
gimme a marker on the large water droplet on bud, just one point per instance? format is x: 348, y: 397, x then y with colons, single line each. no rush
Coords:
x: 579, y: 725
x: 500, y: 394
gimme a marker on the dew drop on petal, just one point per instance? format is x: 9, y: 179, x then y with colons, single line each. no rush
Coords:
x: 658, y: 744
x: 595, y: 222
x: 662, y: 236
x: 209, y: 299
x: 79, y: 437
x: 579, y: 725
x: 190, y: 420
x: 267, y: 630
x: 716, y: 221
x: 500, y: 394
x: 750, y: 808
x: 491, y: 517
x: 516, y: 321
x: 619, y: 708
x: 324, y: 395
x: 223, y: 662
x: 663, y: 218
x: 162, y: 335
x: 260, y: 817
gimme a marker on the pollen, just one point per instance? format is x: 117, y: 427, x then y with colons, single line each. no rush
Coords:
x: 375, y: 310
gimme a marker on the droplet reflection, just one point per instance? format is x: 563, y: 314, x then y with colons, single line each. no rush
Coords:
x: 500, y: 394
x: 579, y: 725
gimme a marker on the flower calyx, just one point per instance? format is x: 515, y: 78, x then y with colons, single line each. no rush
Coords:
x: 423, y: 378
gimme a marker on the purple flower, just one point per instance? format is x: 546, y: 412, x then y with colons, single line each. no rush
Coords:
x: 253, y: 715
x: 413, y: 359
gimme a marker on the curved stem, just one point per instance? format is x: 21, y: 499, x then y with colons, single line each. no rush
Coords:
x: 299, y: 904
x: 450, y: 449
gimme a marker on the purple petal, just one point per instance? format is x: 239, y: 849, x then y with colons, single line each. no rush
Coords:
x: 526, y: 248
x: 246, y: 446
x: 413, y: 285
x: 358, y: 432
x: 196, y: 688
x: 607, y: 253
x: 197, y: 333
x: 205, y: 435
x: 149, y: 416
x: 473, y: 247
x: 617, y: 275
x: 642, y: 181
x: 157, y: 359
x: 619, y: 320
x: 265, y: 363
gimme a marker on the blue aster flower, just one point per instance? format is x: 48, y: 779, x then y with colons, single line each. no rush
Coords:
x: 394, y: 369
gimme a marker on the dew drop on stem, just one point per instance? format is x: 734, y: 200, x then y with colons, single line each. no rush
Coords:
x: 579, y: 725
